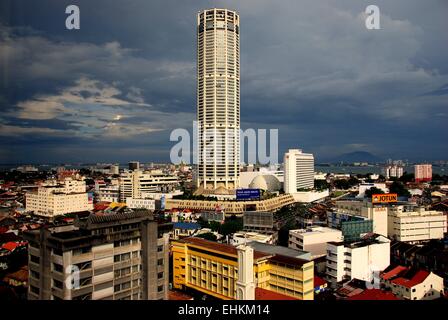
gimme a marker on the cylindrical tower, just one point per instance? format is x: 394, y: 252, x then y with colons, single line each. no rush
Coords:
x: 218, y: 99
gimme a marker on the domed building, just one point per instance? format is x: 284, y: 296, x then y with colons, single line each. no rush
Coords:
x: 266, y: 182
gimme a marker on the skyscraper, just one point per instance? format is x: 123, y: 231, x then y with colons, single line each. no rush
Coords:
x: 218, y: 99
x: 299, y: 170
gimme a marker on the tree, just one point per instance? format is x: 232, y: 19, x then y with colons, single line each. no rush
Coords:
x: 231, y: 226
x: 398, y: 188
x: 208, y: 236
x: 283, y: 233
x: 321, y: 185
x: 372, y: 191
x: 407, y: 177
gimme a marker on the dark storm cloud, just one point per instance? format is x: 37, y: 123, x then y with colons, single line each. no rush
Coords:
x: 116, y: 88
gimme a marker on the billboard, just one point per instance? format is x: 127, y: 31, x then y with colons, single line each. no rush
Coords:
x: 247, y: 194
x: 384, y: 198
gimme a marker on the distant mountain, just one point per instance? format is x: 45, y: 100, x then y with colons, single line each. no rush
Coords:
x: 357, y: 156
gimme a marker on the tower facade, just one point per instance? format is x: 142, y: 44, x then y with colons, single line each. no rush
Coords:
x: 218, y: 99
x: 245, y: 285
x: 299, y: 171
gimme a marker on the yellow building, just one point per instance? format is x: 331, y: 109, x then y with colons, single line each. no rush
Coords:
x: 212, y: 268
x: 232, y: 207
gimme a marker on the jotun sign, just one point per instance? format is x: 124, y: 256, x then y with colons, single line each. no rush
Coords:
x: 384, y: 198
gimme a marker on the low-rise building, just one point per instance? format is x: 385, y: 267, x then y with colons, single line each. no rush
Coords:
x: 413, y: 284
x: 357, y: 260
x: 411, y: 223
x: 213, y: 269
x: 364, y: 208
x: 352, y: 227
x: 184, y: 229
x: 133, y: 203
x: 313, y: 239
x: 107, y: 192
x: 363, y: 187
x: 243, y: 237
x: 232, y: 207
x: 59, y: 197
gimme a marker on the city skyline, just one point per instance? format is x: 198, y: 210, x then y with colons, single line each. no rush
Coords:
x: 114, y: 91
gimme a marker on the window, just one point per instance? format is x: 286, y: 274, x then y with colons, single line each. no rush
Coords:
x: 57, y: 284
x: 159, y: 248
x: 35, y: 259
x: 159, y: 288
x: 160, y: 262
x: 34, y: 290
x: 160, y: 275
x: 35, y: 274
x: 57, y: 267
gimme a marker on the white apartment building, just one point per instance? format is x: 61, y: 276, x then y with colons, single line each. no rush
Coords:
x: 133, y: 203
x: 107, y: 192
x: 357, y: 260
x: 313, y: 239
x: 299, y: 171
x: 411, y: 223
x: 59, y: 197
x: 218, y: 99
x: 134, y: 183
x: 393, y: 171
x: 377, y: 213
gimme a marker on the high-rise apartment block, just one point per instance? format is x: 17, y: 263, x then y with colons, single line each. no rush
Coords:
x: 111, y: 257
x: 423, y: 172
x: 393, y: 171
x: 299, y: 171
x: 218, y: 99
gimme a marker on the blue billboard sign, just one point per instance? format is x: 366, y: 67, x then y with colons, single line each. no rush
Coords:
x: 248, y: 194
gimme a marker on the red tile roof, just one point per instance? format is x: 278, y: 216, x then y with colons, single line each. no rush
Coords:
x: 11, y: 246
x: 418, y: 278
x: 176, y: 295
x: 20, y: 275
x: 394, y: 272
x: 263, y: 294
x: 101, y: 206
x: 318, y: 282
x: 374, y: 294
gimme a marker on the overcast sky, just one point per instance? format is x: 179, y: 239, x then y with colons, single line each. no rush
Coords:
x: 115, y: 89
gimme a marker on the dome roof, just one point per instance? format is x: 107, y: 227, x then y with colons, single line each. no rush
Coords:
x: 267, y: 182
